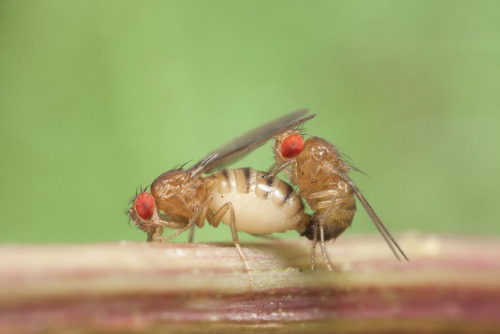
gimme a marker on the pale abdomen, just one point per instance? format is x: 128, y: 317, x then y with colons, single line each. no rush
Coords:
x: 261, y: 205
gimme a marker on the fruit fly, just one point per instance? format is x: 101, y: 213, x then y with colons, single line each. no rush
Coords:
x: 241, y: 198
x: 322, y: 175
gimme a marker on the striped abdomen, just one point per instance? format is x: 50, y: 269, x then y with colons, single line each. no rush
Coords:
x: 261, y: 205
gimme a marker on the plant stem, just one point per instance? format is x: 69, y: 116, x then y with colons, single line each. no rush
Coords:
x: 450, y: 284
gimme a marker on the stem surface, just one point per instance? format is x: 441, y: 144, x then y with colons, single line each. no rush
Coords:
x: 451, y: 284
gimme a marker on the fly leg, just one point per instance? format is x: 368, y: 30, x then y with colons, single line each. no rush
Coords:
x: 191, y: 234
x: 278, y: 167
x: 323, y: 249
x: 218, y: 217
x: 335, y: 204
x: 313, y: 247
x: 319, y: 229
x: 331, y: 206
x: 156, y: 234
x: 199, y: 215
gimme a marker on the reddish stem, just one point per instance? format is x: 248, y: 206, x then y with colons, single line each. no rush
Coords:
x: 450, y: 284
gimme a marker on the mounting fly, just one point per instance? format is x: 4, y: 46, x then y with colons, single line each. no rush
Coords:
x: 321, y: 173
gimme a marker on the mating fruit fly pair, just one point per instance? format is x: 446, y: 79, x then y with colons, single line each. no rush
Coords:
x: 256, y: 202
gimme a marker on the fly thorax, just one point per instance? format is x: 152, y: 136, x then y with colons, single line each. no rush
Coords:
x: 176, y: 194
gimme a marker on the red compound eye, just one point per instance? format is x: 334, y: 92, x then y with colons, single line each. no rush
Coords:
x: 144, y: 205
x: 292, y: 146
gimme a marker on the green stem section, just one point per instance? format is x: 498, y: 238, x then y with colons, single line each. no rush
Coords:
x: 450, y: 284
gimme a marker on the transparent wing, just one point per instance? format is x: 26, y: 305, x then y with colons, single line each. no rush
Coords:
x: 389, y: 239
x: 238, y: 148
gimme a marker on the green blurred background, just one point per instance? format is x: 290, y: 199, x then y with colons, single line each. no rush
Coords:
x: 99, y: 97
